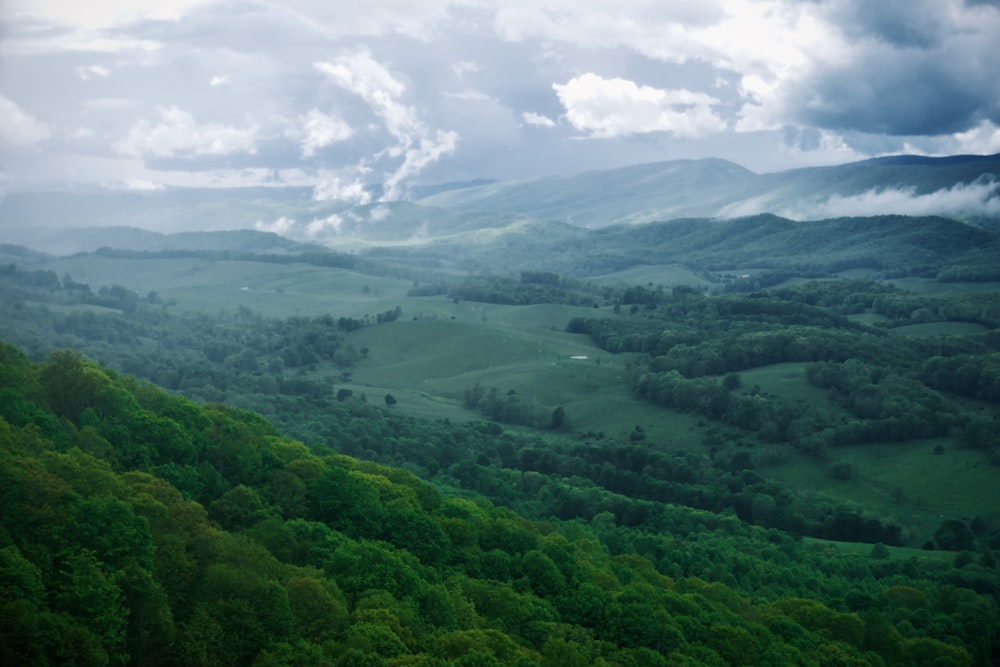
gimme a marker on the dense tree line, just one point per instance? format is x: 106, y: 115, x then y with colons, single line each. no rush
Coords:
x: 142, y: 528
x: 530, y: 288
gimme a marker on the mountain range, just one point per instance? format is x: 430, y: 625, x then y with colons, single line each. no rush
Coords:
x: 965, y: 188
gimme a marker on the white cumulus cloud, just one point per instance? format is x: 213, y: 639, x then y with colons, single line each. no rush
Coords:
x: 18, y: 128
x: 417, y: 145
x: 282, y: 225
x: 319, y: 130
x: 334, y: 188
x: 537, y: 119
x: 332, y: 223
x: 619, y: 107
x: 177, y: 133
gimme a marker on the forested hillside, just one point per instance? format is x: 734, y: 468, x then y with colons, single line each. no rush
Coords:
x: 142, y: 528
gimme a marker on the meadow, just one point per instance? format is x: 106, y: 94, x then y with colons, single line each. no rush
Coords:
x: 441, y: 347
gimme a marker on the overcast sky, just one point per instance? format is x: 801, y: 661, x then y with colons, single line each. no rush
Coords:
x: 337, y: 95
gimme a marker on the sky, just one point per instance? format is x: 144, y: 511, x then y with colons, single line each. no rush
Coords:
x: 342, y: 96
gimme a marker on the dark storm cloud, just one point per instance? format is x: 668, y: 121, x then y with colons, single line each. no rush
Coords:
x: 913, y: 68
x: 904, y: 23
x: 888, y: 93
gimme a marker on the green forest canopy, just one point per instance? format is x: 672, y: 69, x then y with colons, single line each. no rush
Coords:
x: 139, y: 527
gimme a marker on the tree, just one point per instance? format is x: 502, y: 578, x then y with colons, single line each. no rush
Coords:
x: 558, y: 418
x: 344, y: 394
x: 390, y: 400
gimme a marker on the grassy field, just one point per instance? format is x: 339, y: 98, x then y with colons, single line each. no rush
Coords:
x: 275, y: 290
x: 668, y: 275
x: 428, y: 364
x: 902, y: 480
x: 439, y: 348
x: 940, y: 329
x: 928, y: 286
x: 787, y: 381
x: 862, y: 549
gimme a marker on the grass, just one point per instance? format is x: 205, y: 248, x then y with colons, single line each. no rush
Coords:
x: 952, y: 485
x: 76, y: 308
x: 274, y: 290
x: 895, y: 553
x: 928, y: 286
x: 787, y: 381
x: 940, y: 329
x: 668, y: 275
x: 428, y: 364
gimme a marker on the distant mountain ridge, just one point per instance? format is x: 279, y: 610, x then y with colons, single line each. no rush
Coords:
x: 718, y: 188
x: 88, y: 239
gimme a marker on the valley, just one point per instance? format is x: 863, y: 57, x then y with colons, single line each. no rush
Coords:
x: 828, y: 387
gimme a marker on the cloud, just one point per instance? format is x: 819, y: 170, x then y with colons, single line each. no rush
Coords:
x: 333, y: 188
x: 177, y: 134
x: 922, y: 68
x: 282, y: 225
x: 618, y: 107
x: 379, y: 213
x: 82, y: 133
x: 981, y: 197
x: 463, y: 67
x: 141, y: 185
x: 319, y: 130
x: 331, y: 223
x: 984, y: 139
x: 461, y: 89
x: 102, y: 14
x: 91, y: 71
x: 359, y: 73
x: 537, y: 119
x: 18, y: 128
x: 109, y: 103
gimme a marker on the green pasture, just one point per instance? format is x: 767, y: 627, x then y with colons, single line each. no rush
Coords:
x: 76, y: 308
x: 863, y: 549
x: 276, y: 290
x: 869, y: 318
x: 930, y: 487
x: 929, y: 286
x: 668, y: 275
x: 428, y: 364
x: 787, y: 381
x: 940, y: 329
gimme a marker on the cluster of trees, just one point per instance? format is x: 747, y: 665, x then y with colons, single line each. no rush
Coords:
x: 532, y: 287
x: 975, y: 376
x: 906, y: 308
x: 507, y: 408
x: 142, y: 528
x: 887, y: 385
